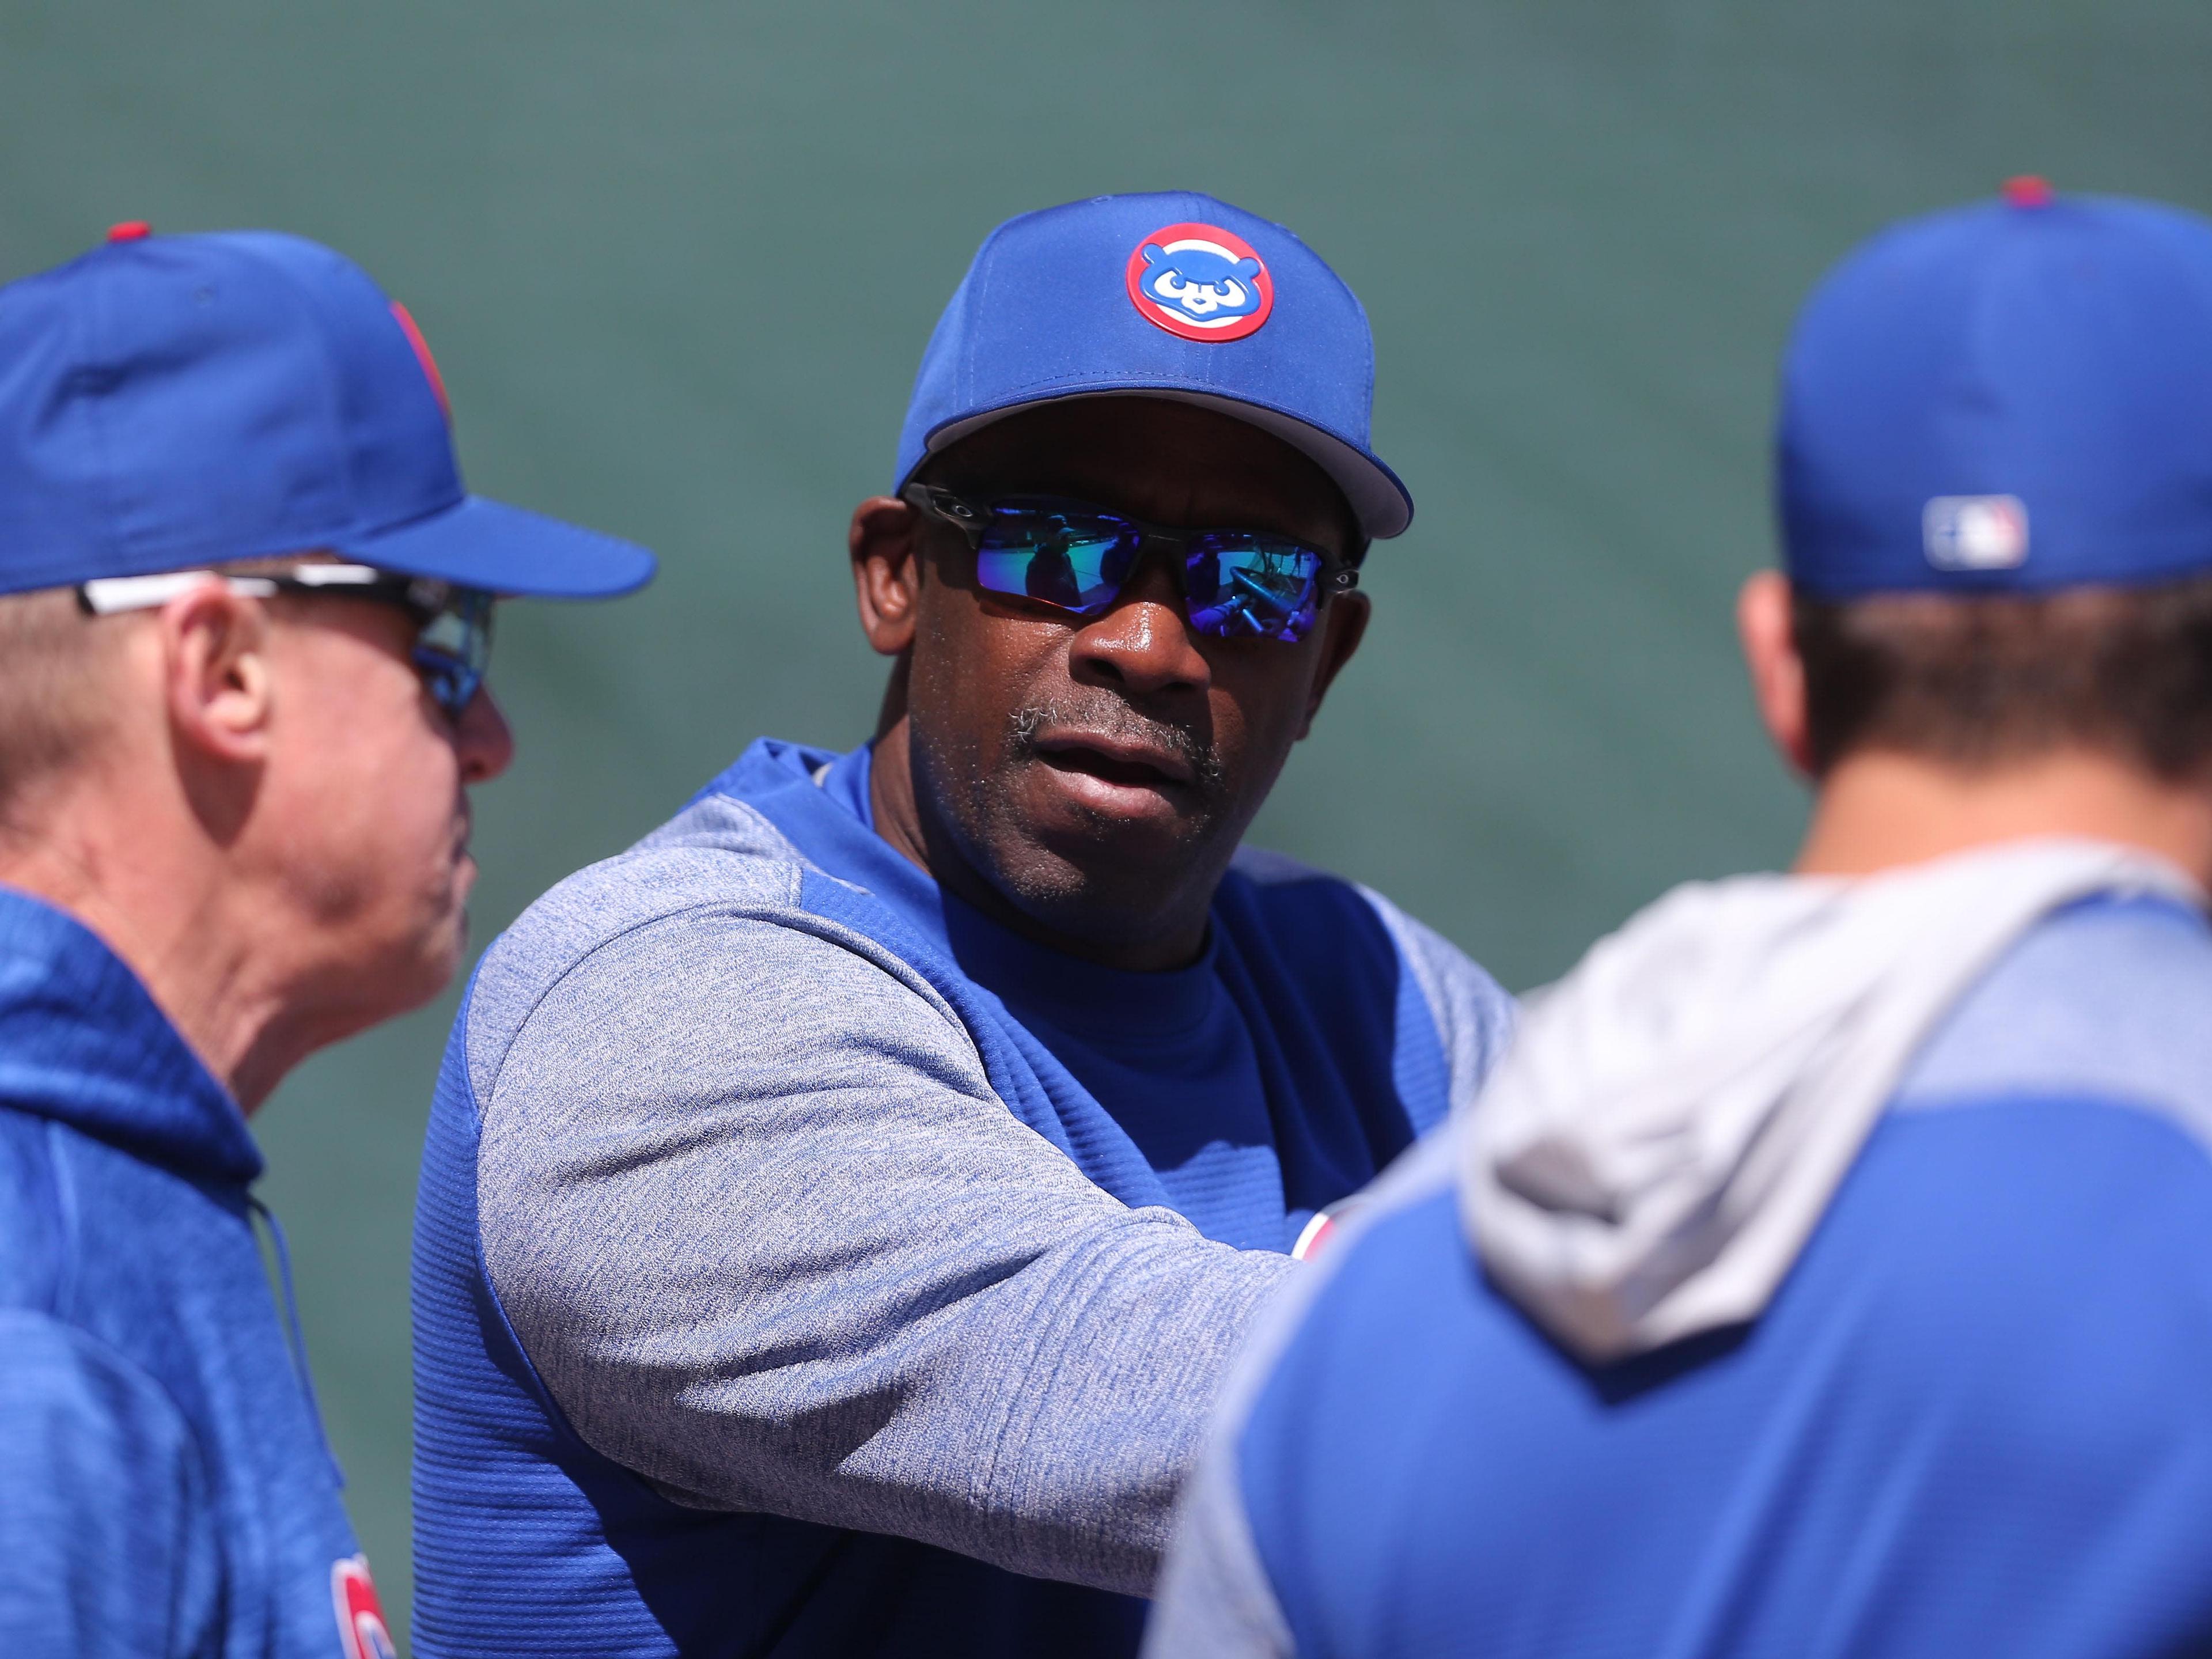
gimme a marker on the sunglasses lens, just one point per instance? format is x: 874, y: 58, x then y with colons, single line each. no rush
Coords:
x: 450, y: 684
x: 1246, y: 586
x: 1064, y: 555
x: 453, y: 650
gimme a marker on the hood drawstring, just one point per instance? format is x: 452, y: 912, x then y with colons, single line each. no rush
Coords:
x: 296, y: 1335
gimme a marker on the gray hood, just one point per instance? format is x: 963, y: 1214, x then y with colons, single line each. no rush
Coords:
x: 1675, y: 1114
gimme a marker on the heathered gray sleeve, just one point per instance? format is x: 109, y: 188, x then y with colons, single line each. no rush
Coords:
x: 768, y: 1235
x: 1217, y: 1598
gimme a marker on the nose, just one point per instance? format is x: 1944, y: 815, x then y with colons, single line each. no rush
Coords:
x: 484, y: 739
x: 1144, y: 646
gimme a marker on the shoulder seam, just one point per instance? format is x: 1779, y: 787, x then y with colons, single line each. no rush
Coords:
x: 2180, y: 1117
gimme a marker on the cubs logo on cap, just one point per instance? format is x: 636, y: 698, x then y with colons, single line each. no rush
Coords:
x: 362, y: 1633
x: 1201, y: 282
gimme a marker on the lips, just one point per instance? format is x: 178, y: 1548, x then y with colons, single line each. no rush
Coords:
x: 1124, y: 763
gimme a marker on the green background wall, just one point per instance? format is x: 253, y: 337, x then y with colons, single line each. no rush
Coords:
x: 678, y: 260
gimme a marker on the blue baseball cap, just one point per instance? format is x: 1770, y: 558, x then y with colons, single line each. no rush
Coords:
x: 2014, y: 397
x: 171, y: 402
x: 1173, y: 295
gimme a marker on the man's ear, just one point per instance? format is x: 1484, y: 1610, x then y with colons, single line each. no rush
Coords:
x: 1343, y: 624
x: 1777, y: 673
x: 216, y: 674
x: 884, y: 541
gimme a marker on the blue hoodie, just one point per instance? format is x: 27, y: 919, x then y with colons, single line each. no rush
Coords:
x: 1826, y: 1270
x: 165, y: 1488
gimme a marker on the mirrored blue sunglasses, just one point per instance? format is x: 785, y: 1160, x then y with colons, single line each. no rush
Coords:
x: 1235, y: 583
x: 453, y: 642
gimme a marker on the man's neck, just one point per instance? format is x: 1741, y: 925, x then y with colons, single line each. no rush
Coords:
x: 1878, y: 811
x: 166, y: 912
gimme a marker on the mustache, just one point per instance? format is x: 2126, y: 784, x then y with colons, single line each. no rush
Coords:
x: 1109, y: 717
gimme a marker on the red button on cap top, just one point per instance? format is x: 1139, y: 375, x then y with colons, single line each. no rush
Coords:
x: 2027, y: 192
x: 130, y: 230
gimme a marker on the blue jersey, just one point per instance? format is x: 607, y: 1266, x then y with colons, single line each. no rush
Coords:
x: 165, y: 1489
x: 808, y: 1266
x: 1975, y: 1418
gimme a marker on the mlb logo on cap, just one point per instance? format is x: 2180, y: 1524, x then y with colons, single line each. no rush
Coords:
x: 1975, y: 533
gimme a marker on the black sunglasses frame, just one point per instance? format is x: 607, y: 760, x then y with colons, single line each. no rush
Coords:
x: 1337, y: 575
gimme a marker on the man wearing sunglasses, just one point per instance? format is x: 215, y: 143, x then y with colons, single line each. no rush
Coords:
x: 244, y: 614
x: 838, y: 1210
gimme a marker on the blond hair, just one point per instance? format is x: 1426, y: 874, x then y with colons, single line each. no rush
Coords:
x: 55, y: 677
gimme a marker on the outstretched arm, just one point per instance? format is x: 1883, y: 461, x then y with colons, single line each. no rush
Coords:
x: 772, y: 1240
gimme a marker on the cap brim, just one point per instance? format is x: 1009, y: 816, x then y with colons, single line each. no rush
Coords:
x: 489, y: 544
x: 1382, y: 505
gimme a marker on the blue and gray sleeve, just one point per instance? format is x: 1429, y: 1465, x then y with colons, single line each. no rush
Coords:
x: 1474, y: 1015
x: 772, y: 1240
x: 1217, y: 1597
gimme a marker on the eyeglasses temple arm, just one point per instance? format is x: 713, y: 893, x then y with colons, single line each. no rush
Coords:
x: 947, y: 508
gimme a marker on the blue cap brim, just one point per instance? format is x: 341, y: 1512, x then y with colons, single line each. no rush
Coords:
x: 1379, y: 501
x: 489, y: 544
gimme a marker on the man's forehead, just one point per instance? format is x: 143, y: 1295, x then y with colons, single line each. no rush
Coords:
x: 1152, y: 457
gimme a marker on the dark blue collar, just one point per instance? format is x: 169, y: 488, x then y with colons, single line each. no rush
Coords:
x: 82, y: 1041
